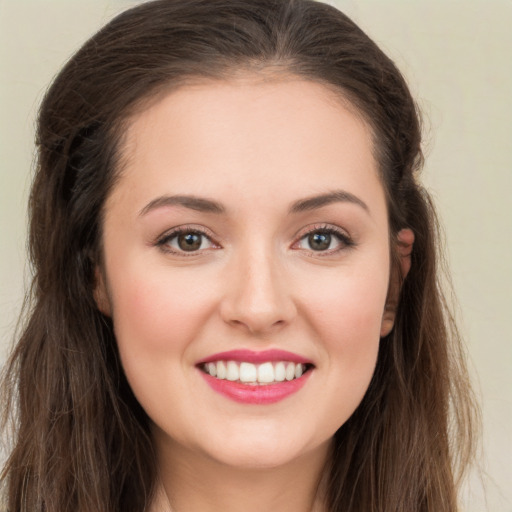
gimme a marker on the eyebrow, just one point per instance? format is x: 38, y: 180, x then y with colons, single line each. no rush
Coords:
x: 199, y: 204
x: 336, y: 196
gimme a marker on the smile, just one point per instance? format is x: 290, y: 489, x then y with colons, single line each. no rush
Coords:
x: 256, y: 377
x: 249, y: 373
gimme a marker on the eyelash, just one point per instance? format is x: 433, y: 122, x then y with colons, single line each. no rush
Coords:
x: 345, y: 241
x: 163, y: 242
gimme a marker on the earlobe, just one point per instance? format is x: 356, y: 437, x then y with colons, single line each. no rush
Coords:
x: 404, y: 245
x: 100, y: 293
x: 405, y: 241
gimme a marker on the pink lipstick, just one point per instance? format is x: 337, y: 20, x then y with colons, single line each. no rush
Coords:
x: 256, y: 357
x: 250, y: 377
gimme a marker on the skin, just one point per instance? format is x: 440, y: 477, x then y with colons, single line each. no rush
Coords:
x: 256, y: 148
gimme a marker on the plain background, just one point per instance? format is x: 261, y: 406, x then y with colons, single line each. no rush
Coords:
x: 457, y: 57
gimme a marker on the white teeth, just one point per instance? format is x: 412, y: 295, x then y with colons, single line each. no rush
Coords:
x: 247, y: 372
x: 290, y: 371
x: 212, y: 369
x: 280, y: 372
x: 265, y: 373
x: 232, y: 371
x: 221, y: 370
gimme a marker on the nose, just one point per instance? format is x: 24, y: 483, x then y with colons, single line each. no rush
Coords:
x: 258, y: 298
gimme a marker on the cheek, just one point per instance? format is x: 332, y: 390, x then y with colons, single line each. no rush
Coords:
x: 346, y: 316
x: 156, y: 313
x: 350, y: 328
x: 349, y: 305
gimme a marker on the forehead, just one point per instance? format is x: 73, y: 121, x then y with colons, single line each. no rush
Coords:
x: 247, y: 99
x: 251, y: 135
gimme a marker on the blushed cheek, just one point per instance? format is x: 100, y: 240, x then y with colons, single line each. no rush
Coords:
x: 154, y: 316
x: 354, y: 304
x: 348, y: 315
x: 152, y: 331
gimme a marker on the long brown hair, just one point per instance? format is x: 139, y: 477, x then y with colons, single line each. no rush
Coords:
x: 80, y: 439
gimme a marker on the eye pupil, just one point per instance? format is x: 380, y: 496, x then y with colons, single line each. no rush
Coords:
x: 189, y: 241
x: 319, y: 241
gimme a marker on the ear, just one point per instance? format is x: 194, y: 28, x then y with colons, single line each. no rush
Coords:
x: 100, y: 293
x: 404, y: 244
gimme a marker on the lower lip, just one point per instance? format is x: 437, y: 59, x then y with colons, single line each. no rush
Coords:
x: 261, y: 394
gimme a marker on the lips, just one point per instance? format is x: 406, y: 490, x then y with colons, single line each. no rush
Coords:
x: 255, y: 377
x: 256, y: 357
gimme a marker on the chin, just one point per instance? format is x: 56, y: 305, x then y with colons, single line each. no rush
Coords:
x: 250, y: 458
x: 265, y: 450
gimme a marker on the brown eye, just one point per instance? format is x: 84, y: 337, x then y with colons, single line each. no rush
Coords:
x: 190, y: 241
x: 186, y: 241
x: 319, y: 241
x: 324, y: 240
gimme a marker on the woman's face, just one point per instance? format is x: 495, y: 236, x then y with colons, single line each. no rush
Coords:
x: 247, y: 237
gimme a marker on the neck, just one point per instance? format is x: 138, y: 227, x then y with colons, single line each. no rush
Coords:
x: 196, y: 483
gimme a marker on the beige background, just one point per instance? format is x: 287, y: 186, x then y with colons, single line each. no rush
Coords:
x: 457, y: 56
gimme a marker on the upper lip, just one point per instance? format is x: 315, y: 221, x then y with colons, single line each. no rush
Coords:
x: 255, y: 357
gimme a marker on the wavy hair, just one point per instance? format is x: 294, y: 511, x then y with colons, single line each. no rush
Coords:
x: 80, y: 439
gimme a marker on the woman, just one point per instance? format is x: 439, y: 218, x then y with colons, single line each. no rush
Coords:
x: 235, y: 301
